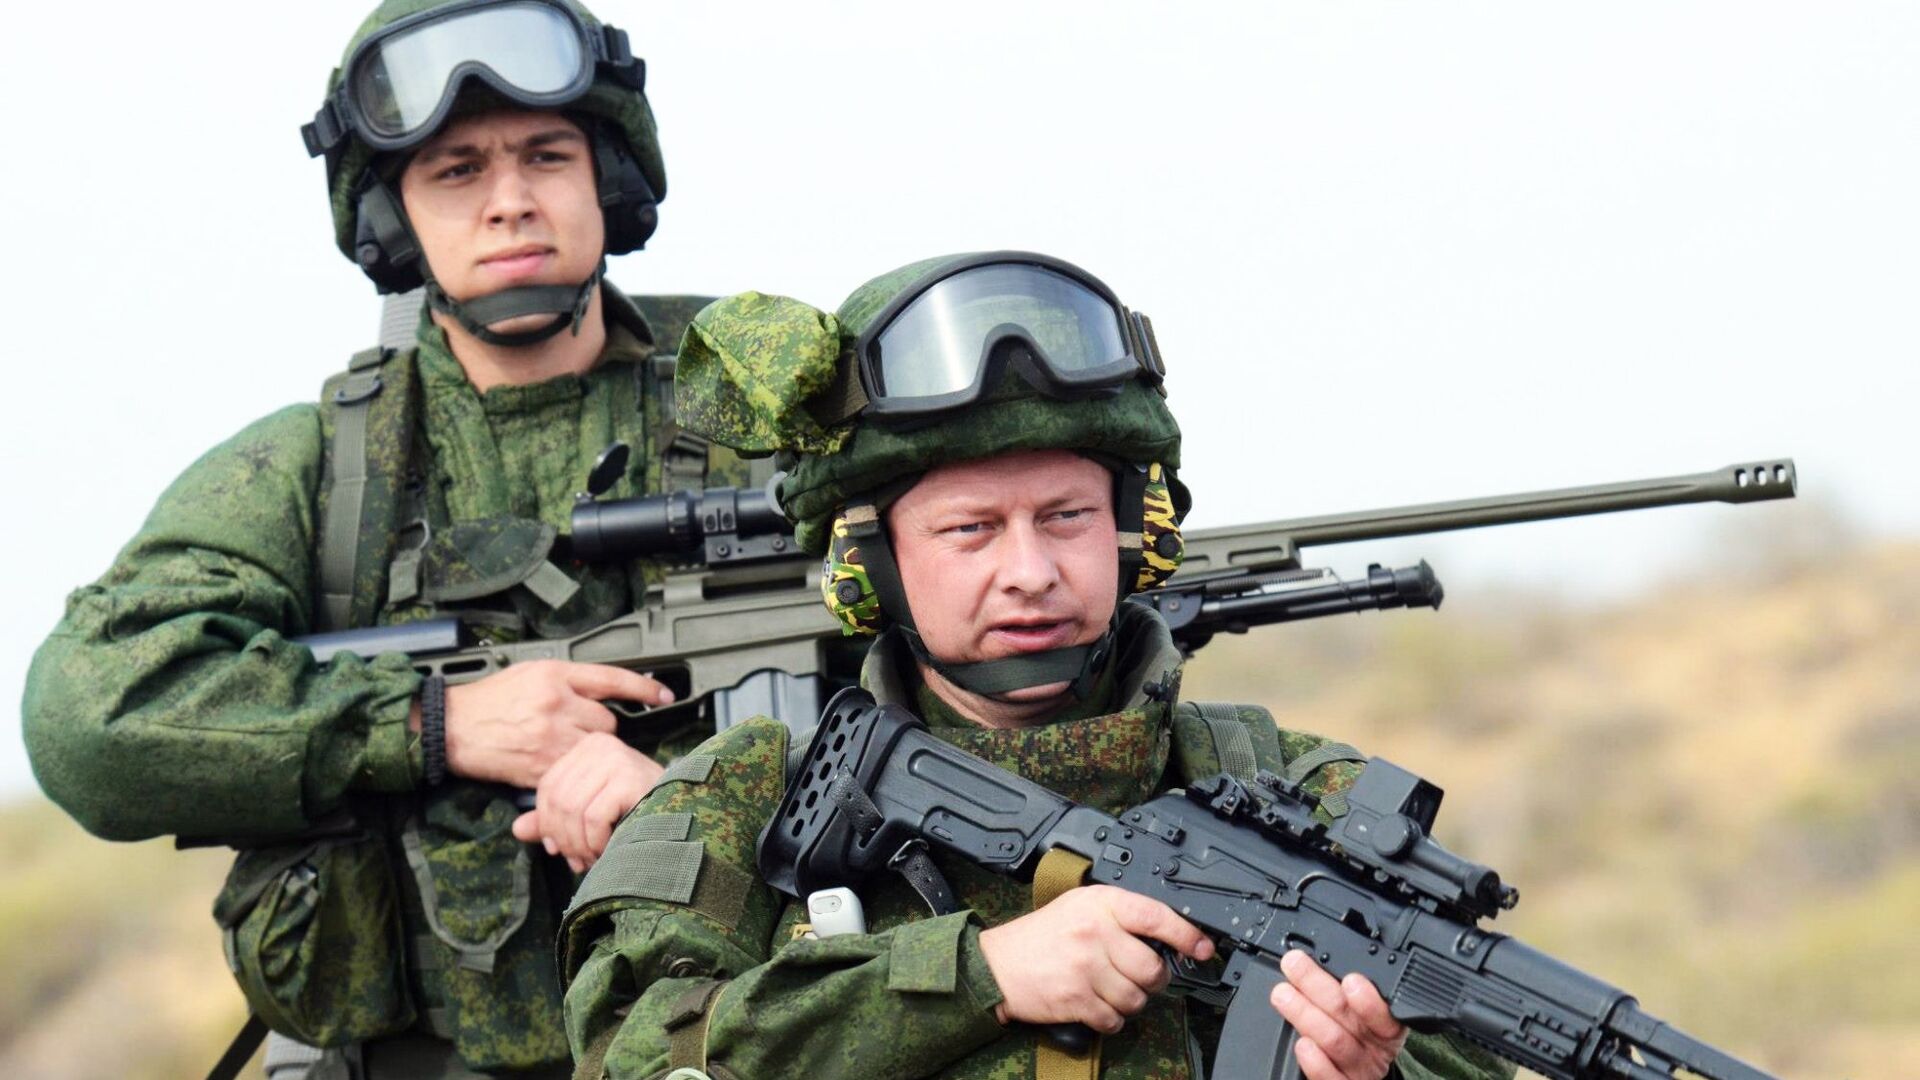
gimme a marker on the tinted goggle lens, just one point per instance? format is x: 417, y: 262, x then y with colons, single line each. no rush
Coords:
x: 939, y: 344
x: 401, y: 82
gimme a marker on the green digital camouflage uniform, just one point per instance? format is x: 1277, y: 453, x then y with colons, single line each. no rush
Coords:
x: 169, y: 700
x: 913, y: 997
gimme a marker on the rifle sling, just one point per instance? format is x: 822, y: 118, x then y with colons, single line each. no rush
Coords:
x: 1059, y: 871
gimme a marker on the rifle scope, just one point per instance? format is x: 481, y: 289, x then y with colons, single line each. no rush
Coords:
x: 729, y: 523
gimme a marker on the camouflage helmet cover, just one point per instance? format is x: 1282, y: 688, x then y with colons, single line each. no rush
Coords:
x: 625, y: 108
x: 822, y: 475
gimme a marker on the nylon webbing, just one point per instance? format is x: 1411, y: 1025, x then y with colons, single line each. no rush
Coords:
x: 592, y: 1064
x: 1232, y: 743
x: 683, y: 458
x: 687, y: 1025
x: 911, y: 862
x: 340, y: 534
x: 240, y: 1050
x: 1059, y: 871
x: 1325, y: 754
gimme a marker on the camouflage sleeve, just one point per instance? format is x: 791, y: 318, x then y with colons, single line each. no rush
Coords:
x: 902, y: 1003
x: 1447, y: 1057
x: 167, y: 699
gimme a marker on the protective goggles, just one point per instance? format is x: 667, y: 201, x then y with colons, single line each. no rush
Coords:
x: 400, y: 84
x: 939, y: 346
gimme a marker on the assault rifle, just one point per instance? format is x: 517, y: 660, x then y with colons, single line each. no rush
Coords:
x: 737, y: 629
x: 1251, y: 866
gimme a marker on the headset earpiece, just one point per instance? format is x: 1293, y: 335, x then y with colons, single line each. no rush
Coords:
x: 383, y: 242
x: 844, y: 583
x: 1161, y: 544
x: 631, y: 206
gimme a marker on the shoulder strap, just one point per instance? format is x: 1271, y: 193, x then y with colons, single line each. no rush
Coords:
x: 683, y: 454
x: 367, y: 418
x: 1214, y: 737
x: 1218, y: 737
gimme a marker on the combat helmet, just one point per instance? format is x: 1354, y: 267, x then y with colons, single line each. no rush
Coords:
x: 945, y: 360
x: 407, y: 69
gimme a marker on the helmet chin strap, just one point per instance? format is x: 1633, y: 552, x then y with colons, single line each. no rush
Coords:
x: 567, y: 303
x: 1077, y: 665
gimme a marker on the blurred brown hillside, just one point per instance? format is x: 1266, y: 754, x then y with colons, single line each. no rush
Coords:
x: 1705, y: 794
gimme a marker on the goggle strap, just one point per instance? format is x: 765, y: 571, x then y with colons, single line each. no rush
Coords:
x: 326, y: 130
x: 843, y: 398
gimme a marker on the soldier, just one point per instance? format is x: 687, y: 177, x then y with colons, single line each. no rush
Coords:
x: 391, y: 901
x: 980, y: 448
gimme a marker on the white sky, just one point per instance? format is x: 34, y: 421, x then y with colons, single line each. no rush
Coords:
x: 1394, y: 252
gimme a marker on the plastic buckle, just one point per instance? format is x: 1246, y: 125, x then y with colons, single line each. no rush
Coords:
x: 324, y: 133
x: 350, y: 394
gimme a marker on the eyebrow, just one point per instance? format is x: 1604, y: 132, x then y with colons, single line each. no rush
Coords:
x: 469, y: 150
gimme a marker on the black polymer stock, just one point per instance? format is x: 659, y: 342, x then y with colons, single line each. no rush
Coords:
x: 737, y: 628
x: 1251, y: 866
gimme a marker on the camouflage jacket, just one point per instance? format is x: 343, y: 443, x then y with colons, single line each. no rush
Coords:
x: 169, y: 701
x: 913, y: 997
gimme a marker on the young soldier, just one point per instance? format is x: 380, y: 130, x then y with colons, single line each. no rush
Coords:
x: 391, y: 900
x: 980, y: 447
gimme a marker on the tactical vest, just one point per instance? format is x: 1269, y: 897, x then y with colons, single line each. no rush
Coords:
x: 422, y: 913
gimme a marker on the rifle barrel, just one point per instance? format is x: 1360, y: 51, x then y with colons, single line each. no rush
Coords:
x: 1247, y: 545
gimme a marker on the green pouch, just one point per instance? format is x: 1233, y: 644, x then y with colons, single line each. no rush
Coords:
x: 503, y: 565
x: 312, y: 935
x: 485, y: 967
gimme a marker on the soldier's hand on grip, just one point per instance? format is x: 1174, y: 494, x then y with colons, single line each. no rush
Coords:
x: 1345, y: 1031
x: 1080, y: 958
x: 513, y: 725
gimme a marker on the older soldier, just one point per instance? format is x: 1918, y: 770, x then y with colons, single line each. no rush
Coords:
x: 980, y: 447
x: 391, y: 900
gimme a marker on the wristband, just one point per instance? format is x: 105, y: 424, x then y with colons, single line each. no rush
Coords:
x: 433, y: 728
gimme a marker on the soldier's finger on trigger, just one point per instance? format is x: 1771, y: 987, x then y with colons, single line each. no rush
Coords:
x: 1145, y: 917
x: 1136, y: 960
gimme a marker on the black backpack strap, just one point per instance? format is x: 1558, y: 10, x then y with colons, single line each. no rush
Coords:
x: 367, y: 418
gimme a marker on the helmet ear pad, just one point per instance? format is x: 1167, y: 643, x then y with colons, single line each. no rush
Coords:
x: 1162, y: 547
x: 630, y: 205
x: 383, y: 242
x: 845, y: 584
